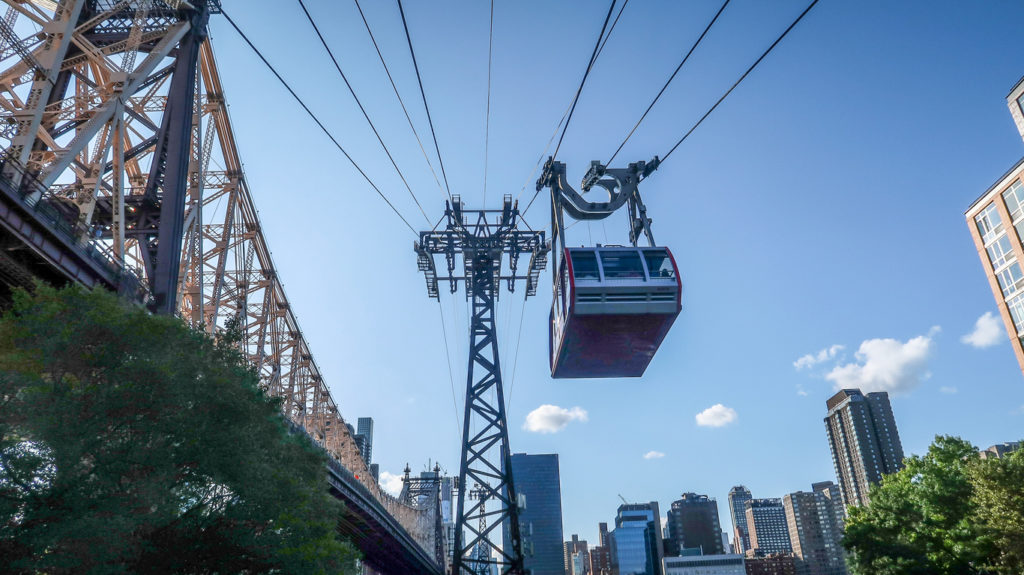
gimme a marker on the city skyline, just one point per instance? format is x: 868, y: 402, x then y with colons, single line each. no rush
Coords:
x: 832, y: 205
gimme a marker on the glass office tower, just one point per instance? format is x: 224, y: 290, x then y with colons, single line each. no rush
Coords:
x: 540, y: 521
x: 636, y: 547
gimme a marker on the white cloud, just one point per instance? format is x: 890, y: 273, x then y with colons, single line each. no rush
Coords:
x: 654, y: 455
x: 716, y: 416
x: 810, y: 360
x: 552, y: 419
x: 886, y: 365
x: 988, y: 331
x: 948, y: 390
x: 391, y: 483
x: 801, y: 391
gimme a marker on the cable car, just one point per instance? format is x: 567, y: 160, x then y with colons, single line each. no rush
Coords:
x: 613, y: 307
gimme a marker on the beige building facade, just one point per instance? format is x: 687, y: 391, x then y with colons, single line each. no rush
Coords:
x: 996, y: 222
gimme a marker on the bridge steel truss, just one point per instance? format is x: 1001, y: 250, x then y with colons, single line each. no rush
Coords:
x: 113, y: 117
x: 484, y: 238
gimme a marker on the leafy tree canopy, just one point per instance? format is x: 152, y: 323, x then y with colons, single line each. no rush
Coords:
x: 132, y: 444
x: 948, y: 512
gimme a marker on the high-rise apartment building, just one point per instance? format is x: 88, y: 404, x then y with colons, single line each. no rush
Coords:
x: 576, y: 547
x: 999, y: 451
x: 864, y: 441
x: 738, y: 497
x: 364, y: 429
x: 996, y: 222
x: 537, y: 481
x: 600, y: 560
x: 693, y: 524
x: 636, y: 541
x: 769, y: 532
x: 815, y: 522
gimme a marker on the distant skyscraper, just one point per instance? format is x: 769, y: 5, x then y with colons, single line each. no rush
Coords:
x: 738, y: 497
x: 364, y: 429
x: 600, y: 560
x: 536, y: 478
x: 693, y: 524
x: 996, y: 222
x: 815, y: 522
x: 636, y: 541
x: 864, y: 441
x: 575, y: 546
x: 726, y: 546
x: 769, y: 533
x: 999, y: 451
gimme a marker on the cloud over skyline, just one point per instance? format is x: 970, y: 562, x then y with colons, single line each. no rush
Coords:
x: 886, y: 364
x: 810, y: 360
x: 391, y: 483
x: 717, y: 415
x: 654, y: 455
x: 988, y: 331
x: 552, y: 418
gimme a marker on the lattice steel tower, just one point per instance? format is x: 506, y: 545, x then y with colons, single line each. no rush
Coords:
x: 483, y: 238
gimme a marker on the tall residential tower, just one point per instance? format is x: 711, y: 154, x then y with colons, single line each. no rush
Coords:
x: 738, y: 497
x: 815, y: 522
x: 864, y: 441
x: 693, y: 524
x: 996, y: 222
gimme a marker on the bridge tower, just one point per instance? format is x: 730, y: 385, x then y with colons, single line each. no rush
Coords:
x: 484, y: 238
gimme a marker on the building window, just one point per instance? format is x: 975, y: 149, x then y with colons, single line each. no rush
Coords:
x: 1016, y: 307
x: 989, y: 223
x: 1014, y: 198
x: 1011, y: 279
x: 1020, y: 103
x: 999, y: 252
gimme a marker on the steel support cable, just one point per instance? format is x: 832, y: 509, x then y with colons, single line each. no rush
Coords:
x: 352, y: 91
x: 318, y: 122
x: 515, y: 360
x: 487, y: 122
x: 423, y: 94
x: 586, y: 73
x: 749, y: 70
x: 669, y: 81
x: 401, y: 102
x: 598, y: 48
x: 451, y: 376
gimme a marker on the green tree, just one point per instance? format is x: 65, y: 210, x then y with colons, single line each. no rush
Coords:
x: 132, y: 444
x: 922, y: 519
x: 999, y: 496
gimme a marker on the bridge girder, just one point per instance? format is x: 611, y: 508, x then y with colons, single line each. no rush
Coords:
x: 113, y: 116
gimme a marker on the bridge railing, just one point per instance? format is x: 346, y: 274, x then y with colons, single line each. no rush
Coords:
x: 47, y: 207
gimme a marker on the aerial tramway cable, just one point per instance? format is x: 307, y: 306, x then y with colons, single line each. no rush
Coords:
x: 590, y: 65
x: 602, y: 39
x: 423, y: 94
x: 487, y: 122
x: 733, y: 87
x: 669, y: 81
x: 352, y: 91
x: 401, y: 102
x: 318, y: 122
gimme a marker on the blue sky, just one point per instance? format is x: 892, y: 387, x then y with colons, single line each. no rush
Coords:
x: 821, y: 205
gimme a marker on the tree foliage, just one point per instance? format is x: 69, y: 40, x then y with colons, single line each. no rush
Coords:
x: 132, y: 444
x: 948, y: 512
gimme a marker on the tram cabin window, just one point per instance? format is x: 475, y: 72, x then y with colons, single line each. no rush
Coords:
x: 622, y: 264
x: 659, y: 264
x: 584, y: 265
